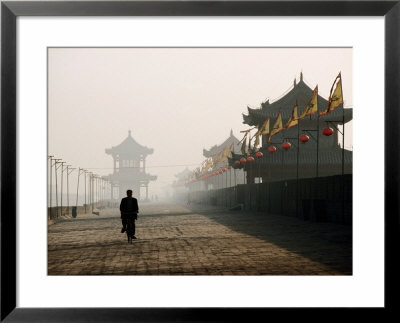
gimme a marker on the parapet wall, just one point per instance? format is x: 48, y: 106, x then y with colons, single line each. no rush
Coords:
x: 322, y: 199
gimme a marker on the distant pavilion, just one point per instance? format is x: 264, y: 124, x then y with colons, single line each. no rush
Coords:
x: 129, y: 168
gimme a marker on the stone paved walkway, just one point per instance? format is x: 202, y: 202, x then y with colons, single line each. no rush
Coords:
x: 176, y: 240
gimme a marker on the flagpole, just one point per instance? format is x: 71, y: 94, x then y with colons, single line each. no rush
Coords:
x: 283, y: 179
x: 342, y: 149
x: 269, y: 184
x: 259, y: 184
x: 297, y: 171
x: 226, y: 187
x: 230, y: 185
x: 282, y: 171
x: 317, y: 142
x: 317, y: 134
x: 234, y: 173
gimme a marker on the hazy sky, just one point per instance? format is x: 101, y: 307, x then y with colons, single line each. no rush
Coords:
x: 174, y: 100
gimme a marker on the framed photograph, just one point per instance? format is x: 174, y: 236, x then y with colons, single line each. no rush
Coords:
x: 79, y: 78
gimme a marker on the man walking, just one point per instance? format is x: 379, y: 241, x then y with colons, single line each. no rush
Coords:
x: 129, y: 209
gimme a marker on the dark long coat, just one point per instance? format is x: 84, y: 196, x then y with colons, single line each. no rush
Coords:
x: 125, y: 211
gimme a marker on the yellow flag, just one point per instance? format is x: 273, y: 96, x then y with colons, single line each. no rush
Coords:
x: 228, y: 151
x: 221, y: 156
x: 257, y: 141
x: 336, y: 98
x: 277, y: 127
x: 264, y: 130
x: 312, y: 106
x: 243, y: 149
x: 293, y: 120
x: 209, y: 164
x: 249, y: 150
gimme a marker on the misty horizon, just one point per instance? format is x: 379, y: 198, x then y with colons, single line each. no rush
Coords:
x: 177, y: 101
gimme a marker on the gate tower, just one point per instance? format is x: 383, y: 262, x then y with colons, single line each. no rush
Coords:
x: 129, y: 169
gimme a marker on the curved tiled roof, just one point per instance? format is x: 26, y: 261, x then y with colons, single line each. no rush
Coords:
x: 129, y: 146
x: 217, y: 148
x: 300, y: 93
x: 183, y: 173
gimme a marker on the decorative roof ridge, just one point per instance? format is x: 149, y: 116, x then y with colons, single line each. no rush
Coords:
x: 130, y: 140
x: 296, y: 86
x: 217, y: 148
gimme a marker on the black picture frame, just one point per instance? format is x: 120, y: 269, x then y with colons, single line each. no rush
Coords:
x: 11, y: 10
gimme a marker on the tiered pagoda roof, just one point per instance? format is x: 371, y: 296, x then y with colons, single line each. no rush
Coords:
x: 129, y: 146
x: 300, y: 93
x: 181, y: 175
x: 218, y: 148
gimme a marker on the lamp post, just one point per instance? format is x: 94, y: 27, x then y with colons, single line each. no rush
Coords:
x: 271, y: 149
x: 226, y: 186
x: 62, y: 184
x: 50, y: 186
x: 249, y: 160
x: 327, y: 131
x: 230, y: 184
x: 91, y: 191
x: 85, y: 171
x: 95, y: 190
x: 55, y: 170
x: 237, y: 164
x: 96, y: 183
x: 80, y: 170
x: 304, y: 138
x: 286, y: 145
x: 69, y: 171
x: 243, y: 161
x: 259, y: 155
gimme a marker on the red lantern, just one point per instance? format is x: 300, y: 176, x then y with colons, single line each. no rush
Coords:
x: 237, y: 163
x: 259, y: 154
x: 250, y: 159
x: 327, y: 131
x: 286, y: 145
x: 223, y: 170
x: 304, y: 138
x: 242, y: 160
x: 271, y: 149
x: 229, y: 167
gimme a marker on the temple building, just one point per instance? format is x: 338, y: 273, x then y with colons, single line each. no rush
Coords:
x: 219, y: 155
x: 129, y: 169
x: 301, y: 160
x: 231, y: 143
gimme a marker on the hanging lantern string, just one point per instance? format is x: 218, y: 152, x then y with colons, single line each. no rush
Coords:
x: 290, y: 138
x: 308, y: 131
x: 334, y: 126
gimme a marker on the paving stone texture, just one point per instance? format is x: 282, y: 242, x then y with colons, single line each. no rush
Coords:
x: 178, y: 240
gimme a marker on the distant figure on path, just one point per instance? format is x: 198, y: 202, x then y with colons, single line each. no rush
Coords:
x: 129, y: 209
